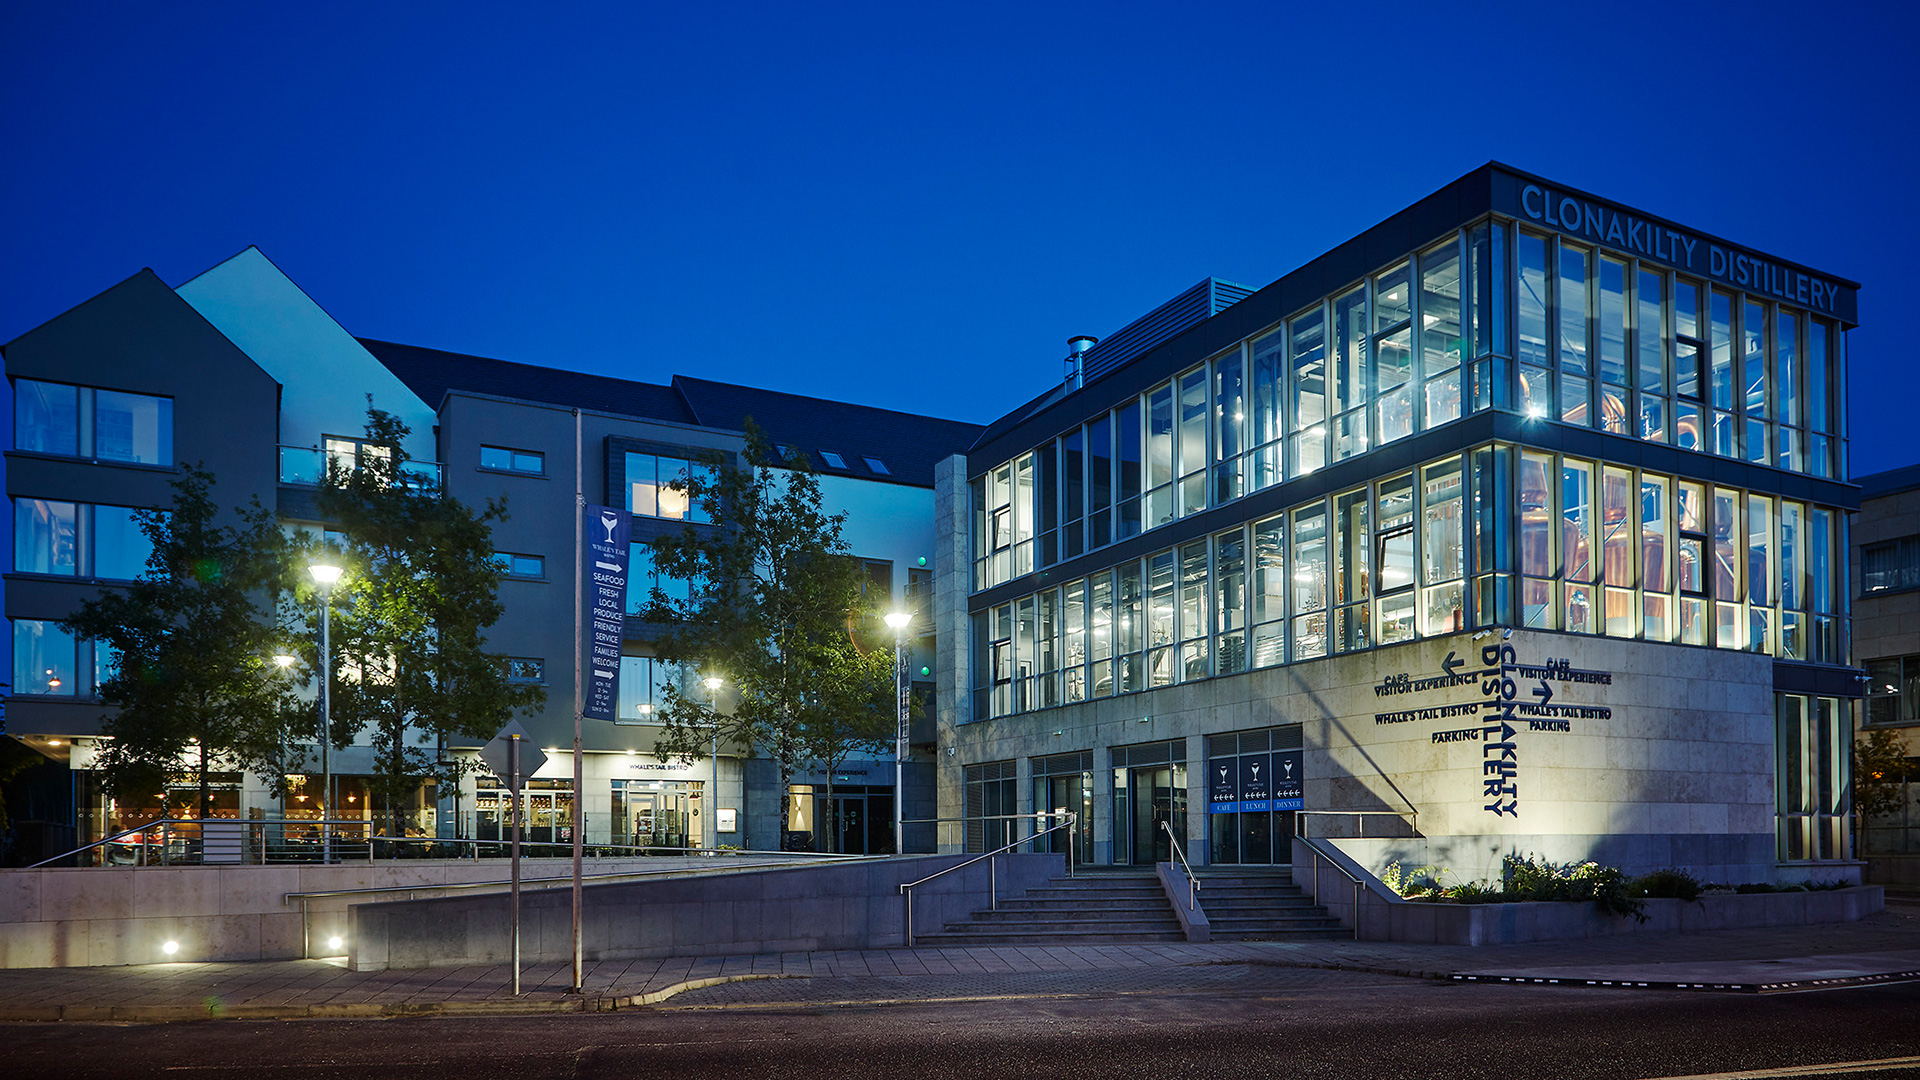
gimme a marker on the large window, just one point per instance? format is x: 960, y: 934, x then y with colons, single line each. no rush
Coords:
x: 1890, y: 566
x: 643, y: 684
x: 78, y: 540
x: 103, y: 425
x: 46, y: 659
x: 506, y: 459
x: 1811, y: 743
x: 650, y: 487
x: 1893, y: 690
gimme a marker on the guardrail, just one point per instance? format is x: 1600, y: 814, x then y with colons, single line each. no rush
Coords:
x: 993, y: 875
x: 1300, y: 818
x: 749, y: 860
x: 230, y: 842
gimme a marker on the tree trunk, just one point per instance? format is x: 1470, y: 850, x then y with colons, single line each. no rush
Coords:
x: 206, y: 796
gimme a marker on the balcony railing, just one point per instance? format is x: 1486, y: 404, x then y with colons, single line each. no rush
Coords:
x: 306, y: 466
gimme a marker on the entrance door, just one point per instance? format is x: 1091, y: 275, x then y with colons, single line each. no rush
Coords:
x: 850, y: 824
x: 1158, y: 796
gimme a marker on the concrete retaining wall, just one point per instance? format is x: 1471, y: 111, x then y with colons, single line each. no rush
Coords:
x: 96, y: 916
x: 842, y: 906
x: 1385, y: 916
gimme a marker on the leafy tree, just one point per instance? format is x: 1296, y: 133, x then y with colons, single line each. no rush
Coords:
x: 410, y: 614
x: 195, y: 680
x: 1880, y: 771
x: 772, y: 598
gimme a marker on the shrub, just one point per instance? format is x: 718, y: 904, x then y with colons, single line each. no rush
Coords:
x: 1670, y: 884
x: 1422, y: 882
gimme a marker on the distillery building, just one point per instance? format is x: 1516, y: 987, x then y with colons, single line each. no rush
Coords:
x: 1515, y: 524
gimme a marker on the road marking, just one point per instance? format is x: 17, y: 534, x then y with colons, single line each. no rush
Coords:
x: 1829, y: 1069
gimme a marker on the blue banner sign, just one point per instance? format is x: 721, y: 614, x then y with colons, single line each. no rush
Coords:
x: 1223, y: 776
x: 604, y: 595
x: 1287, y: 794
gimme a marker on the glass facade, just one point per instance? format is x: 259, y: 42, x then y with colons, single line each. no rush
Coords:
x: 1602, y: 340
x: 1547, y: 541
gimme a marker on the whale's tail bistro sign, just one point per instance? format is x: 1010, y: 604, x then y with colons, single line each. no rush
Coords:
x: 604, y: 591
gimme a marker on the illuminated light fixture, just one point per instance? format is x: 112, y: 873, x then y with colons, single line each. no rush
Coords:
x: 922, y: 560
x: 325, y: 574
x: 283, y: 661
x: 334, y: 942
x: 713, y: 683
x: 170, y: 948
x: 1482, y: 635
x: 898, y: 619
x: 925, y: 670
x: 56, y: 742
x: 633, y: 753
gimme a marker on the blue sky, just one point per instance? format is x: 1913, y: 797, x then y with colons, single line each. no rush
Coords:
x: 911, y: 206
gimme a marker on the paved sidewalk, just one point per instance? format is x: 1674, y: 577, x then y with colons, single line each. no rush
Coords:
x: 1884, y: 947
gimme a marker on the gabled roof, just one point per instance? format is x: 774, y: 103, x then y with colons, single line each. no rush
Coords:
x: 907, y: 444
x: 430, y: 373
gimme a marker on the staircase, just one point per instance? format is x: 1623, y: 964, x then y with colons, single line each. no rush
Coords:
x: 1094, y: 907
x: 1257, y: 903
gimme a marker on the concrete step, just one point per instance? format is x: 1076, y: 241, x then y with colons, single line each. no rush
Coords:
x: 1102, y: 926
x: 1302, y: 933
x: 1045, y: 937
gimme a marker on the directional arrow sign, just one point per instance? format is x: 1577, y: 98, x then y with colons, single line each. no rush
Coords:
x: 1543, y: 692
x: 1451, y: 664
x: 495, y: 753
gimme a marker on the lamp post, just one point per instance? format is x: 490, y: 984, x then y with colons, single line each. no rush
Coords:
x: 713, y: 683
x: 899, y: 620
x: 326, y: 575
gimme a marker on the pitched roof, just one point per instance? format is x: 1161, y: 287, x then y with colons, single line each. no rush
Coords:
x: 430, y: 373
x: 907, y: 444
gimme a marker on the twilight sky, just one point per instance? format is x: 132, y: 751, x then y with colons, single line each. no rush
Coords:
x: 912, y: 205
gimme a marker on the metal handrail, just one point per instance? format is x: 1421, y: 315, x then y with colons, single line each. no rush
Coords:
x: 1193, y: 883
x: 165, y: 827
x: 1411, y: 816
x: 306, y: 898
x: 351, y: 833
x: 1313, y: 887
x: 993, y: 875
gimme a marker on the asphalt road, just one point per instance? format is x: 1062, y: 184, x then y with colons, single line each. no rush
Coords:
x: 1233, y: 1022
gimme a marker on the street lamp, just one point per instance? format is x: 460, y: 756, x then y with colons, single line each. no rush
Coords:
x: 899, y: 620
x: 713, y: 683
x: 326, y: 575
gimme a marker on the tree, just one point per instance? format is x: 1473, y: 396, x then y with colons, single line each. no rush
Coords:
x: 410, y: 614
x: 772, y: 595
x: 1880, y: 770
x: 194, y: 643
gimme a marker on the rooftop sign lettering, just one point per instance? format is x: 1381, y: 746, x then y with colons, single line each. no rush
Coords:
x: 1626, y: 230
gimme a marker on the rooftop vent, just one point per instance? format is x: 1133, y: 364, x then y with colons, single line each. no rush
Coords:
x: 1201, y: 302
x: 1077, y: 347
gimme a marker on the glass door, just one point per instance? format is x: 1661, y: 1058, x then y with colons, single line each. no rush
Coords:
x: 1158, y: 797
